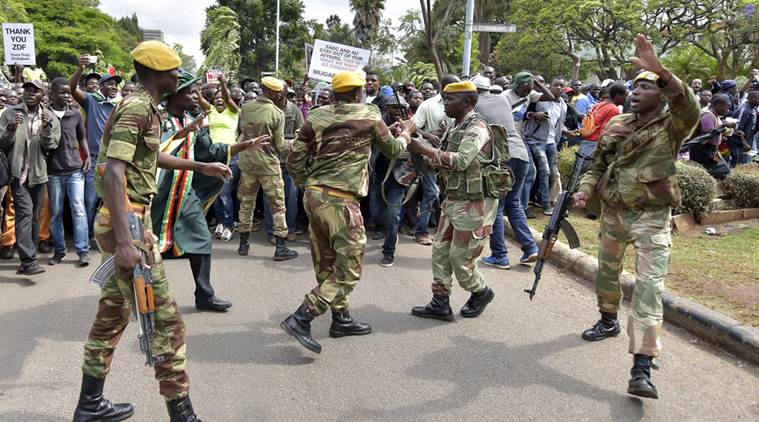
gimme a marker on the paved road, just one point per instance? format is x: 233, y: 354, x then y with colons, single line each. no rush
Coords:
x: 519, y: 361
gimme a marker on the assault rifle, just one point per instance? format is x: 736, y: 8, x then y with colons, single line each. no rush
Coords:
x: 559, y: 222
x: 144, y: 299
x: 701, y: 139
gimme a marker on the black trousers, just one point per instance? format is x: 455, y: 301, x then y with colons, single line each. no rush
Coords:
x: 27, y: 202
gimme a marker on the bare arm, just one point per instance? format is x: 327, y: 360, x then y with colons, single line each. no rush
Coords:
x: 168, y: 161
x: 205, y: 105
x: 77, y: 93
x: 127, y: 255
x: 226, y: 97
x: 547, y: 96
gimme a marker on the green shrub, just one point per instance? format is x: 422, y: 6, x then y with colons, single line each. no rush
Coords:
x: 697, y: 188
x: 565, y: 162
x: 742, y: 186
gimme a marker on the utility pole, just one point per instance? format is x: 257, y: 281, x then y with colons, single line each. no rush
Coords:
x: 276, y: 46
x: 468, y: 37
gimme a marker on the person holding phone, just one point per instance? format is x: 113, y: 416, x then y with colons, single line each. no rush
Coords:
x: 97, y: 106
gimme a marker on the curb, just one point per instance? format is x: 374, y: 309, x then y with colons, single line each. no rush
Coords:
x: 715, y: 327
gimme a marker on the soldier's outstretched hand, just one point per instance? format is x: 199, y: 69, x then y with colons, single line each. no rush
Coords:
x: 219, y: 170
x: 409, y: 126
x: 647, y: 58
x: 258, y: 142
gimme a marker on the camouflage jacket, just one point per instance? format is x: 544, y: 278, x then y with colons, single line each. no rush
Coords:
x: 263, y: 117
x: 465, y: 147
x: 133, y: 135
x: 634, y: 163
x: 334, y: 145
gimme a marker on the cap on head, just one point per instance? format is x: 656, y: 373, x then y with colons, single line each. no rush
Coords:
x: 727, y: 84
x: 465, y: 86
x: 186, y: 79
x: 522, y: 78
x: 647, y: 76
x: 108, y: 77
x: 156, y: 55
x: 346, y: 81
x: 36, y: 84
x: 481, y: 82
x: 272, y: 83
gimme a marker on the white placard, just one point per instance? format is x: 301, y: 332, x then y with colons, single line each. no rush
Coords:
x: 329, y: 58
x: 18, y: 42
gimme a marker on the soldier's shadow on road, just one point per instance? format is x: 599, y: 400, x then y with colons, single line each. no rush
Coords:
x: 62, y: 320
x: 257, y: 342
x: 474, y: 365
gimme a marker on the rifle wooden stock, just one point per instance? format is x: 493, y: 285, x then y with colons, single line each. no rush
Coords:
x: 144, y: 294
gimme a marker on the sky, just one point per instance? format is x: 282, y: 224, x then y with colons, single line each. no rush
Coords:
x: 182, y: 20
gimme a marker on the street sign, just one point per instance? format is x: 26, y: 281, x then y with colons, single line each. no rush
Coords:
x: 494, y: 27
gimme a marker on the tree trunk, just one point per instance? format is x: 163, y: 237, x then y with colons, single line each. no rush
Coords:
x: 427, y: 20
x: 483, y: 40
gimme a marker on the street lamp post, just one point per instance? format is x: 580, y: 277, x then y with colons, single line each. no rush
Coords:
x: 276, y: 46
x: 468, y: 37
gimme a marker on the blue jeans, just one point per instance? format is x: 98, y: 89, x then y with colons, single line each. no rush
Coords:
x: 430, y: 194
x: 58, y: 188
x: 511, y: 204
x: 543, y: 173
x: 223, y: 207
x: 394, y: 193
x: 737, y: 156
x: 553, y: 168
x: 90, y: 197
x: 291, y: 207
x: 529, y: 180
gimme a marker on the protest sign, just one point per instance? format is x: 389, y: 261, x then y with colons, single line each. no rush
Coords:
x: 18, y: 42
x: 329, y: 58
x: 212, y: 76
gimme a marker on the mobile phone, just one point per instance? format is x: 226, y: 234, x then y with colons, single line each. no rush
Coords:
x: 92, y: 59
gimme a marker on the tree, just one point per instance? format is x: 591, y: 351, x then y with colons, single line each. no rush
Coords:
x: 131, y: 25
x: 220, y: 40
x: 432, y: 32
x: 366, y: 21
x: 188, y: 62
x: 257, y: 36
x: 65, y: 29
x: 335, y: 31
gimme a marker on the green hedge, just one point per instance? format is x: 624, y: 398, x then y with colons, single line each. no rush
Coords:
x: 742, y: 186
x: 697, y: 187
x: 565, y: 162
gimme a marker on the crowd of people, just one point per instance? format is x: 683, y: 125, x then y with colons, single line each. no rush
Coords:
x: 283, y: 141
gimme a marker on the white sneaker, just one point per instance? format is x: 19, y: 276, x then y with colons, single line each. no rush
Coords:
x: 219, y: 230
x: 226, y: 235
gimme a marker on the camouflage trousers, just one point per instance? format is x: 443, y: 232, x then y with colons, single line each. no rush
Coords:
x: 114, y: 310
x: 460, y: 239
x: 337, y: 237
x: 649, y: 232
x: 274, y: 189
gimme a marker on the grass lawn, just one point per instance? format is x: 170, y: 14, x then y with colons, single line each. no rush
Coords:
x: 721, y: 272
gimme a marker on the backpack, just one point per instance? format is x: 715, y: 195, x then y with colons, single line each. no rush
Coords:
x: 589, y: 124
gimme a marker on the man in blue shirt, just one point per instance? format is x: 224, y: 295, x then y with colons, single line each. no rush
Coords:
x: 584, y: 104
x: 97, y: 106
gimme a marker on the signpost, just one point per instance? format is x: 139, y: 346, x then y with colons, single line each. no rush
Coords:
x: 18, y: 42
x: 329, y: 58
x: 494, y: 27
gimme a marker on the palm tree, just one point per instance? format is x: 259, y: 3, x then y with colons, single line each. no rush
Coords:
x: 367, y: 18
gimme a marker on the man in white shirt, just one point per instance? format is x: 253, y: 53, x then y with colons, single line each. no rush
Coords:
x: 430, y: 120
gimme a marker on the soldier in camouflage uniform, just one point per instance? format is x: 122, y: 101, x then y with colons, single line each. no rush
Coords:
x: 330, y: 161
x: 129, y: 151
x: 468, y: 212
x: 261, y: 167
x: 633, y: 175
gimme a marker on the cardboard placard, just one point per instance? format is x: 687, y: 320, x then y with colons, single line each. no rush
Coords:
x: 18, y: 43
x: 329, y: 58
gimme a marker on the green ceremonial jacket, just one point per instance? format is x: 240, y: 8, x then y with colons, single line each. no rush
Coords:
x: 178, y: 209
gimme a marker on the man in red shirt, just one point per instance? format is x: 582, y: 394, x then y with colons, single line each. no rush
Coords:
x: 603, y: 112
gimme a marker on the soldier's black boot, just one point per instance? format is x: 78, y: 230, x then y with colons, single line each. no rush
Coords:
x: 244, y: 245
x: 438, y: 308
x: 477, y: 303
x: 640, y: 381
x: 344, y: 325
x: 180, y: 410
x: 93, y: 407
x: 298, y: 325
x: 283, y: 253
x: 607, y: 326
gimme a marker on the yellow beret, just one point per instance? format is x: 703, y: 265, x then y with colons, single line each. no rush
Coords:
x: 465, y: 86
x: 272, y: 83
x: 647, y: 76
x: 345, y: 81
x: 156, y: 55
